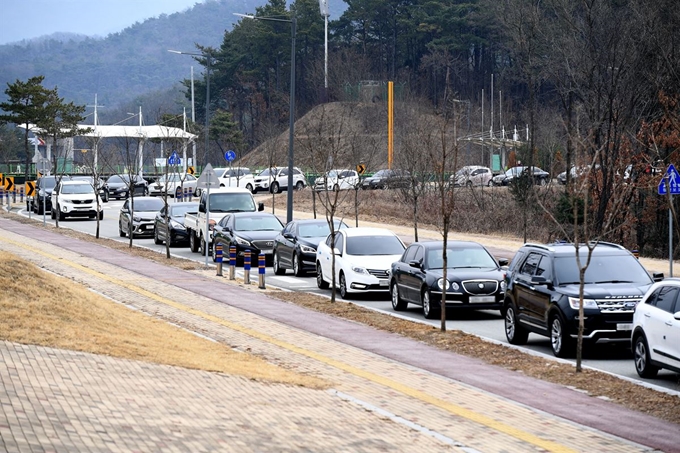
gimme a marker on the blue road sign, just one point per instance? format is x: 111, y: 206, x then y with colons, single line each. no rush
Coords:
x: 671, y: 180
x: 174, y: 159
x: 230, y: 155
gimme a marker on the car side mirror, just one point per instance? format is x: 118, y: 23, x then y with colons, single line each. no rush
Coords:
x: 414, y: 263
x: 288, y: 236
x: 657, y: 276
x: 260, y: 206
x: 536, y: 280
x: 201, y: 207
x: 677, y: 315
x: 503, y: 262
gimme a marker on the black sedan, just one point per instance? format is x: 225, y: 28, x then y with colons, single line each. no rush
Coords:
x: 247, y: 231
x: 474, y: 279
x: 295, y: 246
x: 387, y: 179
x: 118, y: 186
x: 138, y: 218
x: 169, y: 223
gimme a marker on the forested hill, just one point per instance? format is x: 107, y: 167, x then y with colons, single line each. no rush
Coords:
x: 127, y: 64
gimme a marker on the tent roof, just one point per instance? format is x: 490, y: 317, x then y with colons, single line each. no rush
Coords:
x: 145, y: 132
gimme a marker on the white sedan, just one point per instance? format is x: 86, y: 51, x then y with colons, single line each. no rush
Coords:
x: 363, y: 258
x: 173, y: 182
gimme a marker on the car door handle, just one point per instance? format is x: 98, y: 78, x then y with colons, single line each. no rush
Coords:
x: 669, y: 323
x: 647, y: 315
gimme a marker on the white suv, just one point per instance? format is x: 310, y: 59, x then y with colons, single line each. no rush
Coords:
x: 338, y: 180
x: 656, y: 329
x: 236, y: 177
x: 275, y: 179
x: 75, y: 198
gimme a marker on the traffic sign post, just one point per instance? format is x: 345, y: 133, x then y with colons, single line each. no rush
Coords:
x: 670, y: 185
x: 229, y: 156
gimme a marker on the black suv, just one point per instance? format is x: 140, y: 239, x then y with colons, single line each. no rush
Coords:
x: 542, y: 295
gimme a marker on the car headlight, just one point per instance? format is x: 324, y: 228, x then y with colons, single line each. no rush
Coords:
x: 504, y: 285
x: 587, y: 303
x: 441, y: 283
x: 360, y: 270
x: 176, y: 225
x: 454, y: 286
x: 241, y: 241
x: 137, y: 218
x: 307, y: 249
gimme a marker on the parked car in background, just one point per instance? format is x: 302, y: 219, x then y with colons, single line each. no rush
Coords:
x: 169, y: 223
x: 656, y: 329
x: 42, y: 202
x: 118, y: 186
x: 363, y: 258
x: 337, y: 180
x: 100, y: 185
x: 543, y: 294
x: 540, y: 177
x: 387, y: 179
x: 474, y: 279
x: 142, y: 213
x: 275, y: 180
x: 236, y: 177
x: 295, y: 246
x: 171, y: 183
x: 247, y: 231
x: 472, y: 175
x: 71, y: 198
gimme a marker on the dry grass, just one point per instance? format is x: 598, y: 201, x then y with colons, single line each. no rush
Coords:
x: 60, y: 314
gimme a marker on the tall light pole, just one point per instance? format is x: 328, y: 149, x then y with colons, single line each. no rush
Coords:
x: 208, y: 57
x: 291, y: 120
x: 323, y: 7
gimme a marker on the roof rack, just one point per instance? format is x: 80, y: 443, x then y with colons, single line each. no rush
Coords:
x: 609, y: 244
x: 540, y: 246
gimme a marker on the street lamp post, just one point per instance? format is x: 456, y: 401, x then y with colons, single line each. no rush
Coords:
x: 207, y: 98
x: 291, y: 120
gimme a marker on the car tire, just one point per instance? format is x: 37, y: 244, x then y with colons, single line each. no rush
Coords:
x: 643, y: 363
x: 490, y: 183
x: 203, y: 246
x: 469, y: 184
x: 300, y: 185
x: 320, y: 282
x: 121, y: 233
x: 250, y: 188
x: 429, y: 311
x: 343, y: 286
x: 561, y: 343
x: 214, y: 251
x: 515, y: 333
x: 193, y: 242
x: 336, y: 188
x: 101, y: 215
x: 277, y: 266
x: 62, y: 216
x: 53, y: 215
x: 274, y: 188
x: 297, y: 268
x: 398, y: 304
x: 156, y: 239
x: 543, y: 182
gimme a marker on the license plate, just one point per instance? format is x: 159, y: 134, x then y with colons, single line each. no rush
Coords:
x: 267, y: 252
x: 383, y: 282
x: 624, y: 326
x: 482, y: 299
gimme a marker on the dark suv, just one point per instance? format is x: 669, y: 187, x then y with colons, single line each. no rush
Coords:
x: 542, y: 295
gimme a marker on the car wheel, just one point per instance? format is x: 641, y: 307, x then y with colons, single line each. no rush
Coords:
x: 250, y: 188
x: 398, y: 304
x: 193, y: 242
x: 156, y: 239
x: 297, y: 269
x: 429, y: 310
x: 101, y: 215
x: 336, y: 188
x: 121, y: 233
x: 275, y: 187
x: 276, y: 265
x: 62, y: 216
x: 300, y: 185
x: 515, y: 333
x: 562, y: 344
x: 203, y: 246
x: 53, y: 214
x: 343, y: 286
x: 214, y: 251
x: 469, y: 184
x: 543, y: 182
x: 643, y: 364
x: 320, y: 282
x: 490, y: 183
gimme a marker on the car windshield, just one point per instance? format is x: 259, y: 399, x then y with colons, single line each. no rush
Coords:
x: 148, y: 205
x: 374, y: 245
x: 382, y: 173
x: 332, y: 174
x: 76, y: 188
x: 171, y: 178
x: 236, y: 202
x: 118, y: 179
x: 48, y: 183
x: 179, y: 211
x: 460, y: 258
x: 257, y: 223
x: 602, y: 269
x: 269, y: 172
x: 320, y: 229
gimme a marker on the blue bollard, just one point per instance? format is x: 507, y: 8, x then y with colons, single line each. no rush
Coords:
x: 261, y: 263
x: 232, y: 262
x: 218, y: 258
x: 246, y: 267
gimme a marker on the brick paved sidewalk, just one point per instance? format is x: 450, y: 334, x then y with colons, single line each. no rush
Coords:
x: 389, y: 393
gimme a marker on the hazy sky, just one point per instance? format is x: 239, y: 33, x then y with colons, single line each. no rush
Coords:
x: 26, y: 19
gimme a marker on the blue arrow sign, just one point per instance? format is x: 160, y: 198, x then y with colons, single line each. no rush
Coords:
x: 230, y: 155
x: 671, y: 180
x: 174, y: 159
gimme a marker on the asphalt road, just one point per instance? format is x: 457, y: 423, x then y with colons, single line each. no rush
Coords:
x: 611, y: 358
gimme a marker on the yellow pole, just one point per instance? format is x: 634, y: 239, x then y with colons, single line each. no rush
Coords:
x: 390, y: 123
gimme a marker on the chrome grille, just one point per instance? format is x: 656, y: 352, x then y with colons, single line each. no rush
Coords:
x: 480, y: 287
x: 82, y: 201
x: 617, y: 305
x: 378, y: 273
x: 264, y: 245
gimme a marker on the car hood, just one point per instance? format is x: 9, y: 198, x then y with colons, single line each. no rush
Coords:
x: 145, y: 215
x: 468, y: 274
x: 116, y: 185
x: 268, y: 235
x: 79, y: 196
x: 606, y: 290
x: 311, y: 241
x: 372, y: 261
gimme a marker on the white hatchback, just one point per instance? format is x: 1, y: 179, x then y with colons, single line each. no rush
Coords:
x: 656, y: 329
x: 363, y: 259
x: 338, y: 180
